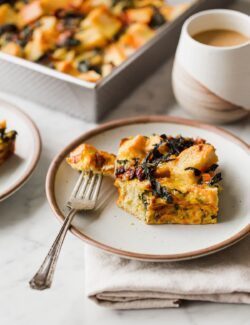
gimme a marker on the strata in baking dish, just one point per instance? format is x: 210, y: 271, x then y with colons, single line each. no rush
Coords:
x: 83, y: 38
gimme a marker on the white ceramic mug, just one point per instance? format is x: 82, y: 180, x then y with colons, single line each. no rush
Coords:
x: 211, y: 82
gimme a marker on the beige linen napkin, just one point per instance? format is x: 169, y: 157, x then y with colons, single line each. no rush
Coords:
x: 120, y: 283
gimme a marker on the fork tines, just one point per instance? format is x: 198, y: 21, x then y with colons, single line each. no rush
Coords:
x: 85, y: 192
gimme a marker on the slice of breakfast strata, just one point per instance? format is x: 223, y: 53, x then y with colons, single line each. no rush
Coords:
x: 160, y: 179
x: 164, y: 179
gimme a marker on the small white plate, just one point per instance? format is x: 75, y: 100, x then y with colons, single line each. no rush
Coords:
x: 115, y: 231
x: 15, y: 171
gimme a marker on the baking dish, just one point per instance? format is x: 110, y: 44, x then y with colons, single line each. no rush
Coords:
x: 91, y: 101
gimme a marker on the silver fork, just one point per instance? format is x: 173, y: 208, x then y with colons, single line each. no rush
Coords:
x: 83, y: 197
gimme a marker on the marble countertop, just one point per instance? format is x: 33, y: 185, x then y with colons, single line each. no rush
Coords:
x: 28, y: 227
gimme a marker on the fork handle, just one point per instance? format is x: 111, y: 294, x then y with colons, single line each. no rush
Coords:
x: 44, y: 276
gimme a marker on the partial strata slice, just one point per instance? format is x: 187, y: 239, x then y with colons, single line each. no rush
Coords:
x: 160, y: 179
x: 7, y: 142
x: 87, y: 158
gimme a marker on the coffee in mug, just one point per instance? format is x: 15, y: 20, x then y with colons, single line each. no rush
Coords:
x: 211, y: 71
x: 221, y: 37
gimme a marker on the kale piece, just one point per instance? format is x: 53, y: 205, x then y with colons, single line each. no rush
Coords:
x: 158, y: 19
x: 178, y: 144
x: 8, y: 28
x: 25, y: 35
x: 84, y: 66
x: 216, y: 179
x: 143, y: 197
x: 70, y: 42
x: 196, y: 171
x: 148, y: 171
x: 161, y: 191
x: 125, y: 3
x: 212, y: 168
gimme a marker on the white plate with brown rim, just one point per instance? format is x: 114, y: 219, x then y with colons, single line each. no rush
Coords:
x: 115, y: 231
x: 17, y: 169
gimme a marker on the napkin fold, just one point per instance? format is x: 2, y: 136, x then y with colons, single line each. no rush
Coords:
x: 120, y: 283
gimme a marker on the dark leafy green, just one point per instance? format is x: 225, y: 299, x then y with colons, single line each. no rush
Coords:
x: 119, y: 171
x: 25, y: 35
x: 125, y: 3
x: 178, y: 144
x: 8, y: 28
x: 143, y: 198
x: 2, y: 133
x: 7, y: 1
x: 212, y: 168
x: 216, y: 179
x: 64, y: 14
x: 7, y: 136
x: 154, y: 157
x: 122, y: 161
x: 161, y: 191
x: 46, y: 61
x: 84, y: 66
x: 196, y: 171
x: 70, y: 42
x: 148, y: 173
x: 176, y: 206
x: 136, y: 161
x: 158, y: 19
